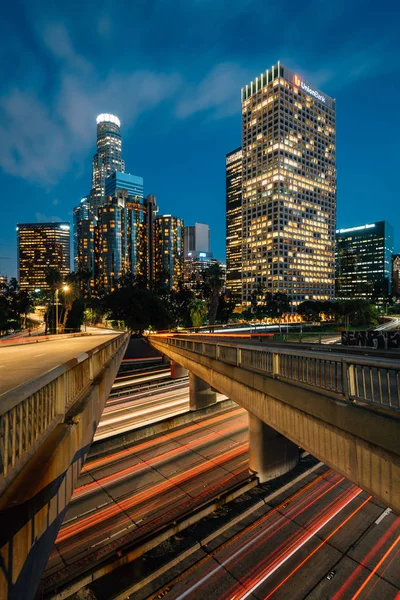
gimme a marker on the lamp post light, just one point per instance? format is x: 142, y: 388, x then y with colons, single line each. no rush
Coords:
x: 65, y: 288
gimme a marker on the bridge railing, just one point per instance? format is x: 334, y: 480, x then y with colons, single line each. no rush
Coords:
x: 370, y: 380
x: 29, y: 412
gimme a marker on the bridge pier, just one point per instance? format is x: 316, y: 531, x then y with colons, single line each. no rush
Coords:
x: 177, y: 371
x: 271, y: 454
x: 200, y: 393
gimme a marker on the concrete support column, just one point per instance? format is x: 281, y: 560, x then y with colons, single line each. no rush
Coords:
x: 165, y: 359
x: 177, y: 371
x: 200, y: 392
x: 271, y: 454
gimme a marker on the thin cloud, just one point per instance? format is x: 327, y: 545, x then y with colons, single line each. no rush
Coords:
x: 218, y: 92
x: 42, y: 140
x: 42, y: 218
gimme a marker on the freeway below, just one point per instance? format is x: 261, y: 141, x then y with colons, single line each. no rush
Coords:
x: 21, y: 363
x: 126, y: 495
x: 143, y: 397
x: 325, y: 540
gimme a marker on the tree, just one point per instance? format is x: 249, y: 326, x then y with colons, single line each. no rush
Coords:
x: 53, y: 280
x: 226, y: 306
x: 70, y: 295
x: 74, y: 319
x: 277, y: 305
x: 4, y: 314
x: 214, y: 279
x: 138, y: 307
x: 198, y: 311
x: 309, y: 311
x: 179, y: 303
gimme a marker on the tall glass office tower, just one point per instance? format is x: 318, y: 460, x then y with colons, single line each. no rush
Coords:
x: 42, y: 246
x: 364, y: 261
x: 108, y: 157
x: 234, y: 223
x: 168, y: 259
x: 288, y: 187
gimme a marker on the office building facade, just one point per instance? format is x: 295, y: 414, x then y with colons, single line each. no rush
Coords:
x: 396, y: 275
x: 169, y: 253
x: 234, y: 223
x: 42, y: 246
x: 195, y: 266
x: 364, y: 261
x: 3, y: 284
x: 150, y: 203
x: 124, y: 181
x: 288, y: 187
x: 119, y: 241
x: 197, y: 238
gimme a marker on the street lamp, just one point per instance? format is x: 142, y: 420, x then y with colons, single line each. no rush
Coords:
x: 65, y: 288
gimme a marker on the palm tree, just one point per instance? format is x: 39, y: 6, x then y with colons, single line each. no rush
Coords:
x: 70, y: 293
x: 198, y: 311
x: 53, y: 280
x: 214, y: 278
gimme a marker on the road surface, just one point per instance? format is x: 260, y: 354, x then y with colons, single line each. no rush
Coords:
x: 327, y: 540
x: 21, y: 363
x: 132, y: 492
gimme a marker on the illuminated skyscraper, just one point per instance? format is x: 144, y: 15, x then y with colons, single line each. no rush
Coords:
x: 108, y: 157
x: 288, y: 186
x: 396, y: 275
x: 364, y: 261
x: 42, y: 246
x: 168, y: 243
x: 150, y: 203
x: 120, y: 240
x: 83, y: 239
x: 110, y: 224
x: 234, y: 223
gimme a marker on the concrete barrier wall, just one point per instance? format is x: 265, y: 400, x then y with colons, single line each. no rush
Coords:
x: 33, y: 507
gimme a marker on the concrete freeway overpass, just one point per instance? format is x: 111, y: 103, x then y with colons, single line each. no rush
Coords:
x: 52, y: 394
x: 342, y: 407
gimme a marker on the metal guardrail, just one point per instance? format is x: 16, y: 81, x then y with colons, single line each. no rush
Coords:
x: 29, y: 412
x: 351, y: 378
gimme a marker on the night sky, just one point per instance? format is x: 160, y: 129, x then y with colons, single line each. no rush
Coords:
x: 172, y: 72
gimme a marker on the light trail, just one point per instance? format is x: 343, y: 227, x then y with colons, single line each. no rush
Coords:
x: 303, y: 562
x: 364, y: 563
x: 128, y: 471
x: 110, y: 458
x: 282, y: 519
x: 383, y: 572
x: 374, y: 570
x: 104, y: 514
x: 149, y: 396
x: 136, y: 380
x: 139, y: 373
x: 301, y: 540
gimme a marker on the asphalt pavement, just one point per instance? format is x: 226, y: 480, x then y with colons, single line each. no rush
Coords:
x: 132, y: 492
x: 322, y: 540
x: 21, y: 363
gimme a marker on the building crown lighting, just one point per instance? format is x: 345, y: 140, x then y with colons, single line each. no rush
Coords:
x: 108, y: 118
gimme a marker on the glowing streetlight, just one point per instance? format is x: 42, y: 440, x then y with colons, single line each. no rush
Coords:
x: 65, y: 288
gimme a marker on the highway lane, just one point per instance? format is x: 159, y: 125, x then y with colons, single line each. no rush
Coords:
x: 327, y: 540
x: 130, y: 493
x: 142, y: 398
x: 21, y: 363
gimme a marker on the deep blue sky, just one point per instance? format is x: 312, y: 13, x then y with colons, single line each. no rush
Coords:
x: 172, y: 71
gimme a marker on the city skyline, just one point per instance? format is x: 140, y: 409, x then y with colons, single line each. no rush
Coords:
x: 174, y: 117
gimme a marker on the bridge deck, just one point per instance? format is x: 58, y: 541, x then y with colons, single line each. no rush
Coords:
x: 22, y: 363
